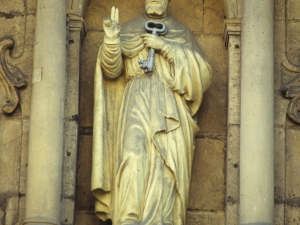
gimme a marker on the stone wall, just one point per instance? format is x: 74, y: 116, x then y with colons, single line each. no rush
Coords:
x: 287, y: 133
x: 207, y: 193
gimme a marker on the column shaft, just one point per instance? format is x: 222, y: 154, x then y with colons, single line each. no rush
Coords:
x: 257, y: 114
x: 45, y: 152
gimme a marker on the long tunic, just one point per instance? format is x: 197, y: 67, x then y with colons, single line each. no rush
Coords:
x: 150, y: 167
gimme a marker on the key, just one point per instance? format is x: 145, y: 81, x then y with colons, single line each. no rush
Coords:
x: 156, y: 28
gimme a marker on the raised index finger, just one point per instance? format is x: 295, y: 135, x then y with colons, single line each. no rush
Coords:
x: 113, y: 12
x: 117, y: 16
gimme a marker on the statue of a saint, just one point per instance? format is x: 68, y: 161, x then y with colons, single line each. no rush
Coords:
x: 143, y: 147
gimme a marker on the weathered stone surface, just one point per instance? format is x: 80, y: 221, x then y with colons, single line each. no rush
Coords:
x: 293, y: 8
x: 67, y: 211
x: 84, y: 198
x: 190, y: 13
x: 70, y: 158
x: 205, y: 218
x: 279, y: 214
x: 280, y: 165
x: 21, y: 215
x: 292, y: 40
x: 292, y: 166
x: 31, y: 6
x: 11, y: 8
x: 213, y: 17
x: 77, y: 7
x: 280, y: 9
x: 232, y: 174
x: 26, y: 64
x: 292, y: 215
x: 86, y: 217
x: 24, y: 155
x: 1, y: 216
x: 12, y: 211
x: 14, y: 27
x: 234, y: 78
x: 212, y: 113
x: 207, y: 191
x: 10, y: 149
x: 89, y: 56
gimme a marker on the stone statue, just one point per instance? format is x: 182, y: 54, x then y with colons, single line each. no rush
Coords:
x: 144, y: 125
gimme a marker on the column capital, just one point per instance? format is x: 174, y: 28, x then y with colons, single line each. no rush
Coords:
x: 76, y: 23
x: 231, y: 27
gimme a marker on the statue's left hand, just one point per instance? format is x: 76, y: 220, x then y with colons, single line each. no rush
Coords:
x: 153, y: 41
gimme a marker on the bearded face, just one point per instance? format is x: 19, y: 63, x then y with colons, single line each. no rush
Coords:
x: 156, y: 7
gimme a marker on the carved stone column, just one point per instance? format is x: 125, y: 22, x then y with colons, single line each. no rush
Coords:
x: 257, y: 114
x: 45, y: 154
x: 76, y: 34
x: 232, y: 37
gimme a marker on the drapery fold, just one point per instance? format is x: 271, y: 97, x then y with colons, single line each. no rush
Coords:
x: 168, y: 99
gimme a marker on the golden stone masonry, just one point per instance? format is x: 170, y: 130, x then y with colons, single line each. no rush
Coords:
x: 100, y: 121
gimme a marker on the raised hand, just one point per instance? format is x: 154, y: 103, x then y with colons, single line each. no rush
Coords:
x: 111, y: 25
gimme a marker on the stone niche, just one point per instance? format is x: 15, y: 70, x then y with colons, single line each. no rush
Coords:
x: 205, y: 20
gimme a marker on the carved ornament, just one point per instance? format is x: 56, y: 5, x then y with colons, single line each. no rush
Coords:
x: 11, y: 76
x: 291, y: 89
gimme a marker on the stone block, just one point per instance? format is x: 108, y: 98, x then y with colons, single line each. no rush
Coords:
x: 87, y: 217
x: 84, y: 198
x: 279, y: 42
x: 24, y: 155
x: 205, y: 218
x: 292, y: 167
x: 234, y: 80
x: 73, y: 68
x: 21, y: 211
x: 14, y: 27
x: 279, y: 214
x: 292, y: 215
x: 280, y: 9
x: 70, y: 158
x: 280, y: 165
x: 293, y: 8
x: 26, y: 65
x: 232, y: 214
x: 190, y: 13
x: 232, y: 174
x: 67, y: 211
x: 31, y: 6
x: 292, y: 40
x: 12, y: 8
x: 212, y: 114
x: 10, y: 151
x: 12, y: 211
x: 207, y: 191
x: 292, y: 197
x: 213, y: 17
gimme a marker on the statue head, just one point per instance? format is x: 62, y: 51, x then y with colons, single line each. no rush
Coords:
x: 157, y: 8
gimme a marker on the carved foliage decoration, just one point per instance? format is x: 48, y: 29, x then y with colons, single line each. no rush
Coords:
x: 11, y: 76
x: 290, y: 67
x: 291, y: 89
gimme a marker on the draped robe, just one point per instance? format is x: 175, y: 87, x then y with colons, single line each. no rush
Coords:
x: 142, y: 160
